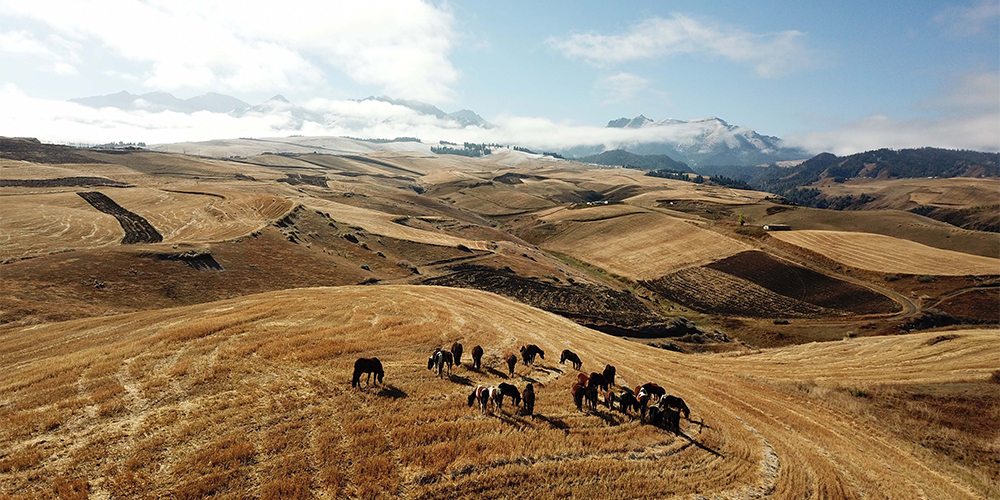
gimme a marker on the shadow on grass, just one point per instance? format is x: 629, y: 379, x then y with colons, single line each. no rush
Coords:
x: 498, y: 373
x: 460, y: 380
x: 555, y: 423
x: 699, y: 445
x: 391, y: 391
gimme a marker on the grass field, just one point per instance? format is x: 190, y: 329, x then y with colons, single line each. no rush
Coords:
x: 880, y: 253
x: 251, y: 396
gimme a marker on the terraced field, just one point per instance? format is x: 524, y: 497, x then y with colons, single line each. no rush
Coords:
x: 641, y: 246
x: 885, y: 254
x: 47, y: 223
x: 251, y: 397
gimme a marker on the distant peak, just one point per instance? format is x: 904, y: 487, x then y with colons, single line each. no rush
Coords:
x: 279, y: 98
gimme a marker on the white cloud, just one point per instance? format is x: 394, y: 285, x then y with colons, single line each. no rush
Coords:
x: 771, y: 54
x: 24, y: 44
x: 401, y: 46
x: 970, y: 20
x: 621, y: 87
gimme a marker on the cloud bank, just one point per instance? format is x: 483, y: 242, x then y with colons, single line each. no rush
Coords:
x: 401, y: 46
x: 771, y: 54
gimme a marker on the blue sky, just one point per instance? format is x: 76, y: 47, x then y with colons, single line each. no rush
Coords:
x: 818, y: 71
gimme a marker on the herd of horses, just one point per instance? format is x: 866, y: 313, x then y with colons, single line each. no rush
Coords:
x: 649, y: 401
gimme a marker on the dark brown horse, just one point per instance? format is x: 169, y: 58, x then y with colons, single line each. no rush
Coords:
x: 609, y: 399
x: 509, y: 391
x: 528, y: 353
x: 627, y: 402
x: 568, y: 355
x: 456, y: 353
x: 477, y: 357
x: 578, y: 393
x: 609, y: 374
x: 511, y: 363
x: 590, y: 394
x: 529, y: 399
x: 369, y: 366
x: 597, y: 381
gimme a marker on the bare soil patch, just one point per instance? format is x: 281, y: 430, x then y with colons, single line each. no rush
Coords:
x: 137, y: 229
x: 63, y: 182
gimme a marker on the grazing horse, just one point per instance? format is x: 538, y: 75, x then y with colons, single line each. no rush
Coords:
x: 477, y: 357
x: 481, y: 394
x: 609, y: 374
x: 438, y: 360
x: 582, y: 379
x: 529, y: 399
x: 572, y: 357
x: 665, y: 417
x: 511, y: 363
x: 369, y: 366
x: 590, y: 394
x: 598, y: 381
x: 627, y: 402
x: 609, y: 399
x: 578, y: 390
x: 510, y: 391
x: 528, y: 353
x: 676, y: 403
x: 456, y: 352
x: 650, y: 389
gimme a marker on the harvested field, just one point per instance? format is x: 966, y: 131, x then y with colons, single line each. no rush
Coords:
x: 137, y: 229
x: 251, y: 397
x: 803, y: 284
x: 875, y: 252
x: 40, y: 224
x: 716, y: 292
x: 641, y: 246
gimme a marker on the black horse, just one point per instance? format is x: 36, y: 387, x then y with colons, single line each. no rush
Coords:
x: 597, y: 381
x: 609, y: 374
x: 477, y: 357
x: 456, y: 352
x: 529, y: 399
x: 509, y: 391
x: 511, y: 363
x: 572, y: 357
x: 676, y: 403
x: 528, y: 353
x: 369, y: 366
x: 627, y: 402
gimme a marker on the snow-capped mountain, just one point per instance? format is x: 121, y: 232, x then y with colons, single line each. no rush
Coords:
x: 709, y: 141
x: 163, y: 101
x: 464, y: 117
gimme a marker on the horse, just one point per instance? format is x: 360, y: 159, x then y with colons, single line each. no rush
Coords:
x: 529, y: 399
x: 477, y: 357
x: 627, y: 402
x: 665, y: 417
x: 439, y: 359
x: 609, y: 374
x: 496, y: 396
x: 590, y: 394
x: 651, y: 389
x: 483, y: 395
x: 528, y: 353
x: 511, y: 363
x: 572, y: 357
x: 609, y: 399
x: 598, y: 381
x: 582, y: 379
x: 577, y: 391
x: 511, y: 391
x: 456, y: 352
x: 676, y: 403
x: 369, y: 366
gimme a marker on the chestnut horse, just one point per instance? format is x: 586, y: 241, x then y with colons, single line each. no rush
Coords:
x: 456, y: 352
x: 511, y: 363
x: 582, y: 379
x: 577, y: 391
x: 572, y: 358
x: 369, y: 366
x: 477, y: 357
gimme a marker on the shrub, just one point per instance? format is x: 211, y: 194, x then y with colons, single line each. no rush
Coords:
x: 926, y: 278
x: 892, y: 277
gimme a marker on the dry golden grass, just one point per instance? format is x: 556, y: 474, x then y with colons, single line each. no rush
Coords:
x: 250, y: 397
x: 957, y: 192
x: 886, y: 254
x: 37, y: 224
x: 639, y: 245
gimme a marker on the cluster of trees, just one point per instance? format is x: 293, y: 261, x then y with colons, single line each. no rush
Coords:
x: 721, y: 180
x: 523, y: 150
x: 812, y: 197
x: 667, y: 173
x: 469, y: 149
x: 120, y: 145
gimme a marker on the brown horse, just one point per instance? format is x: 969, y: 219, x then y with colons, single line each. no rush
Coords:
x: 529, y: 399
x: 577, y: 391
x: 590, y: 394
x: 598, y: 381
x: 477, y: 357
x: 582, y: 379
x: 676, y: 403
x: 456, y: 353
x: 568, y: 355
x: 369, y: 366
x: 511, y: 363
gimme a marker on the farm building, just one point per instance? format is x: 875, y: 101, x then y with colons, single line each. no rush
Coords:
x: 777, y: 227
